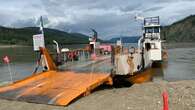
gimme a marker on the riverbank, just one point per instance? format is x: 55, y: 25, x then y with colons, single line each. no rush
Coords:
x: 12, y: 46
x: 147, y: 96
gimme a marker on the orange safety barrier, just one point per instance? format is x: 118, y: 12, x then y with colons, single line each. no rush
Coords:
x: 165, y: 100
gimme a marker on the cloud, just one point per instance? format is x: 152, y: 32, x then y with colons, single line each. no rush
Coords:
x: 153, y: 8
x: 22, y: 23
x: 108, y: 17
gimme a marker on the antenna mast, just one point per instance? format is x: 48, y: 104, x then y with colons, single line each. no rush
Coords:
x: 41, y: 25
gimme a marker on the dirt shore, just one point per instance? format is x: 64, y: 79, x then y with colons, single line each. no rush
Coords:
x: 147, y: 96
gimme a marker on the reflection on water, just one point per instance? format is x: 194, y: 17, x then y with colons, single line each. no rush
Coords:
x: 18, y: 70
x: 18, y: 54
x: 180, y: 65
x: 22, y: 65
x: 23, y: 61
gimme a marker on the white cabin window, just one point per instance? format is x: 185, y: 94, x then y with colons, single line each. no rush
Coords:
x: 156, y: 29
x: 153, y: 46
x: 149, y: 30
x: 152, y: 30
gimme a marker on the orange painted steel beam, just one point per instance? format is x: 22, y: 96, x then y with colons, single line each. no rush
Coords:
x: 48, y: 59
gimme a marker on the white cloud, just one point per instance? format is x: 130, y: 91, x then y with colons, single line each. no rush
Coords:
x: 108, y: 17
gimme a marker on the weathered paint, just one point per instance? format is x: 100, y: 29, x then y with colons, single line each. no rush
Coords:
x: 52, y: 87
x: 142, y: 77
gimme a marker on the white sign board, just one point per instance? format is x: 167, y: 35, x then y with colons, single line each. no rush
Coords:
x: 118, y: 43
x: 97, y: 44
x: 38, y: 41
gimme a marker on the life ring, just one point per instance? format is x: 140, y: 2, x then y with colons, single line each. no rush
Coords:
x: 132, y: 48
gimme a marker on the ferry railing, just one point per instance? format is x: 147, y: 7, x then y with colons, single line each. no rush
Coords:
x: 22, y: 63
x: 18, y: 71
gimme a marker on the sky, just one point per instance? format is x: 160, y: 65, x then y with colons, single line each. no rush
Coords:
x: 109, y: 18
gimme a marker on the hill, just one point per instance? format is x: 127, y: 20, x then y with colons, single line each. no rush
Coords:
x: 23, y: 36
x: 181, y: 31
x: 125, y: 39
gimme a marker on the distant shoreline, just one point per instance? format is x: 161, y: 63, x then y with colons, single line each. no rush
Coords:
x: 12, y: 46
x: 167, y: 45
x: 179, y: 45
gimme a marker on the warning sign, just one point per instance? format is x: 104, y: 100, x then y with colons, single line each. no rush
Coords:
x: 38, y: 41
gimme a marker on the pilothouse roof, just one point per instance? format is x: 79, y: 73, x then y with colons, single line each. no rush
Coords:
x: 152, y: 22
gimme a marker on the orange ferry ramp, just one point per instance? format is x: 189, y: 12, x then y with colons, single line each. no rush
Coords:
x: 54, y: 87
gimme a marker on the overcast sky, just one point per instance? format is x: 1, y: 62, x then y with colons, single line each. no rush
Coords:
x: 108, y: 17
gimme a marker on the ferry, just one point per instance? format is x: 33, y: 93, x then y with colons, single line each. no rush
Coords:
x: 61, y: 87
x: 130, y: 63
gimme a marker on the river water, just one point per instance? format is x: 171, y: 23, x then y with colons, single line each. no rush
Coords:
x: 180, y: 65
